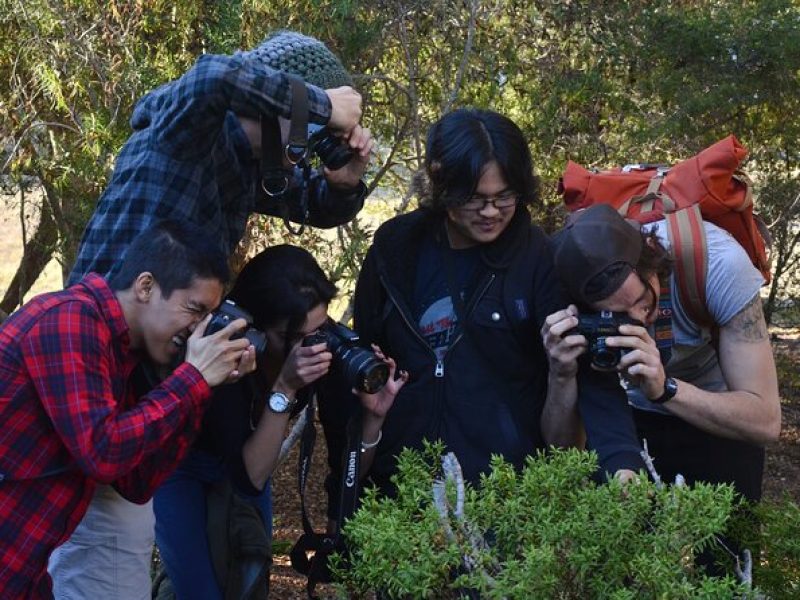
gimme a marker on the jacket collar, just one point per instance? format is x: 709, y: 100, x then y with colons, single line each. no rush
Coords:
x: 398, y: 241
x: 108, y: 305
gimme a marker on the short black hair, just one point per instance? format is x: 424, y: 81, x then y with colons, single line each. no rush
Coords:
x: 461, y: 144
x: 282, y: 282
x: 176, y: 253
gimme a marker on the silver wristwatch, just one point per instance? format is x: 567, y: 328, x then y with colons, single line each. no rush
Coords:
x: 280, y: 403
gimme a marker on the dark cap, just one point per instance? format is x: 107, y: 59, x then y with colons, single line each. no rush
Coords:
x: 596, y: 252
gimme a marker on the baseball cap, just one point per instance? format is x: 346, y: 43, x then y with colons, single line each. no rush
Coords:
x: 596, y: 252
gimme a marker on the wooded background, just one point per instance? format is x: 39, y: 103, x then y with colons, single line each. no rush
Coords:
x: 599, y: 82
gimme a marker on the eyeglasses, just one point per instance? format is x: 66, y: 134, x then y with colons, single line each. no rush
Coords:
x: 500, y: 202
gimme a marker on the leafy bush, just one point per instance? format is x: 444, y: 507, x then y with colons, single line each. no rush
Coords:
x: 548, y: 531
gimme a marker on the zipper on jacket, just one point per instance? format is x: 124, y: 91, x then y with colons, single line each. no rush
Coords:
x: 439, y: 370
x: 403, y: 315
x: 475, y: 299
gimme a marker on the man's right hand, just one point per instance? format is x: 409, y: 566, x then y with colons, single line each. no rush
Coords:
x: 345, y: 108
x: 219, y: 358
x: 563, y: 350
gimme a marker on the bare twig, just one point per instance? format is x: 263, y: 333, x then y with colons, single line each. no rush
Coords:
x: 648, y: 462
x: 462, y: 67
x: 745, y: 573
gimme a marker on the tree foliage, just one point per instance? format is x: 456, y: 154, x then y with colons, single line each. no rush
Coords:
x: 601, y: 83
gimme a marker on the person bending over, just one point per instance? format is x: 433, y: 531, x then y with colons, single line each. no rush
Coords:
x: 708, y: 403
x: 287, y: 293
x: 71, y: 418
x: 194, y: 155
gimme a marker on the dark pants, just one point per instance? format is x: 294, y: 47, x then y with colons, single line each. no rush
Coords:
x: 678, y: 447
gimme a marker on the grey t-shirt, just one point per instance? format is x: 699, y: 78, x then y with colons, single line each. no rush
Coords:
x: 731, y: 283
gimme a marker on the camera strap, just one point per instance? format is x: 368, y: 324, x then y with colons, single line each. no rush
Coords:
x: 275, y: 177
x: 663, y: 325
x: 322, y: 545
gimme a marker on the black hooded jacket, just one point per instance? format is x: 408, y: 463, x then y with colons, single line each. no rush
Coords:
x: 487, y: 394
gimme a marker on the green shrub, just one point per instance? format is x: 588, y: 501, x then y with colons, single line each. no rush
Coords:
x: 547, y: 531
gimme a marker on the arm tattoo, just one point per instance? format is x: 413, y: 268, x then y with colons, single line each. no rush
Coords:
x: 749, y: 325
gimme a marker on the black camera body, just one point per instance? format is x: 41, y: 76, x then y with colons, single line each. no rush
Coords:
x: 596, y: 328
x: 228, y: 312
x: 331, y: 151
x: 361, y: 368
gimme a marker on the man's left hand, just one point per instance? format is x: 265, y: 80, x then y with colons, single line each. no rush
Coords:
x: 360, y: 142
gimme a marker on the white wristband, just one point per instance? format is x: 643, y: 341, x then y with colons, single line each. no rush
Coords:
x: 365, y: 446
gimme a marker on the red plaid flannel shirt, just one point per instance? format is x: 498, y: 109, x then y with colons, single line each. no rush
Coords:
x: 70, y: 419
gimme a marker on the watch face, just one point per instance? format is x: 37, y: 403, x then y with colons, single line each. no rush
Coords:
x: 670, y: 387
x: 279, y: 403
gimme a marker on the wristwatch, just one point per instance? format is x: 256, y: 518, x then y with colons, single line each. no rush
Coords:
x: 670, y: 389
x: 280, y: 403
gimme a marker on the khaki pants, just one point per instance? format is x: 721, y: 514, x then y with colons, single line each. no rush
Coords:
x: 108, y: 555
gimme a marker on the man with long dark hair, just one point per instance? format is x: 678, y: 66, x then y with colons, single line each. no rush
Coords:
x: 459, y: 292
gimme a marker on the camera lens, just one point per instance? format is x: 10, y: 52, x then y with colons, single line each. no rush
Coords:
x: 604, y: 357
x: 362, y: 369
x: 330, y: 149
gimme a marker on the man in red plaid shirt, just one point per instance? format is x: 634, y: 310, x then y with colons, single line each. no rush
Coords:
x: 69, y: 412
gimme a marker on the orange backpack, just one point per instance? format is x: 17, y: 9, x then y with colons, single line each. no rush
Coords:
x: 707, y: 186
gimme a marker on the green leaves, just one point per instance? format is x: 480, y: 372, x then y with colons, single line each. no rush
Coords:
x: 552, y: 532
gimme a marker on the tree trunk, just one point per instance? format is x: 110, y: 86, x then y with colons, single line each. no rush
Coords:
x: 37, y: 253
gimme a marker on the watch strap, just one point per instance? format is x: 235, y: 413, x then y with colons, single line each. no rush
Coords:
x: 670, y: 389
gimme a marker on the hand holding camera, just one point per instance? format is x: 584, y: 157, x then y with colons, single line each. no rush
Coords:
x: 362, y: 369
x: 563, y: 347
x: 640, y: 362
x: 304, y: 365
x: 377, y: 404
x: 222, y: 356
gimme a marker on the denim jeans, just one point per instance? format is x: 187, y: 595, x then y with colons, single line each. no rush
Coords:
x: 180, y: 509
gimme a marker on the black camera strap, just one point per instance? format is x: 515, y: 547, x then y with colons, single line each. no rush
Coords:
x: 275, y: 177
x: 322, y: 545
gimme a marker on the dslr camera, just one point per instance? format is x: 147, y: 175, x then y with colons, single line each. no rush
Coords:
x: 331, y: 151
x: 228, y: 312
x: 361, y: 368
x: 596, y: 328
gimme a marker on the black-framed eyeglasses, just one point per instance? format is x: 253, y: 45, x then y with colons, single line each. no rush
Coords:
x: 500, y: 202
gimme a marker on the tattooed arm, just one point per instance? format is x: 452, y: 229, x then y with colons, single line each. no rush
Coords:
x: 751, y: 410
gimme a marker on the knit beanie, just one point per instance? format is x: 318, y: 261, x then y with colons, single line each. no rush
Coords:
x: 304, y: 56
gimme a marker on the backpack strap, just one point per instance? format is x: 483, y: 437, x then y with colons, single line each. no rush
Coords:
x: 687, y: 236
x: 690, y: 249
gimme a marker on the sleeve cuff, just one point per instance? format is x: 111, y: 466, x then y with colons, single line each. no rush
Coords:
x: 188, y: 384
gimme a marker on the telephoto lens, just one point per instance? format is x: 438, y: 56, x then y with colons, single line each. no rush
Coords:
x: 361, y: 368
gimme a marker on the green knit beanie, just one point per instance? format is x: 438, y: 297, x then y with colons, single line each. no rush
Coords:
x: 304, y: 56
